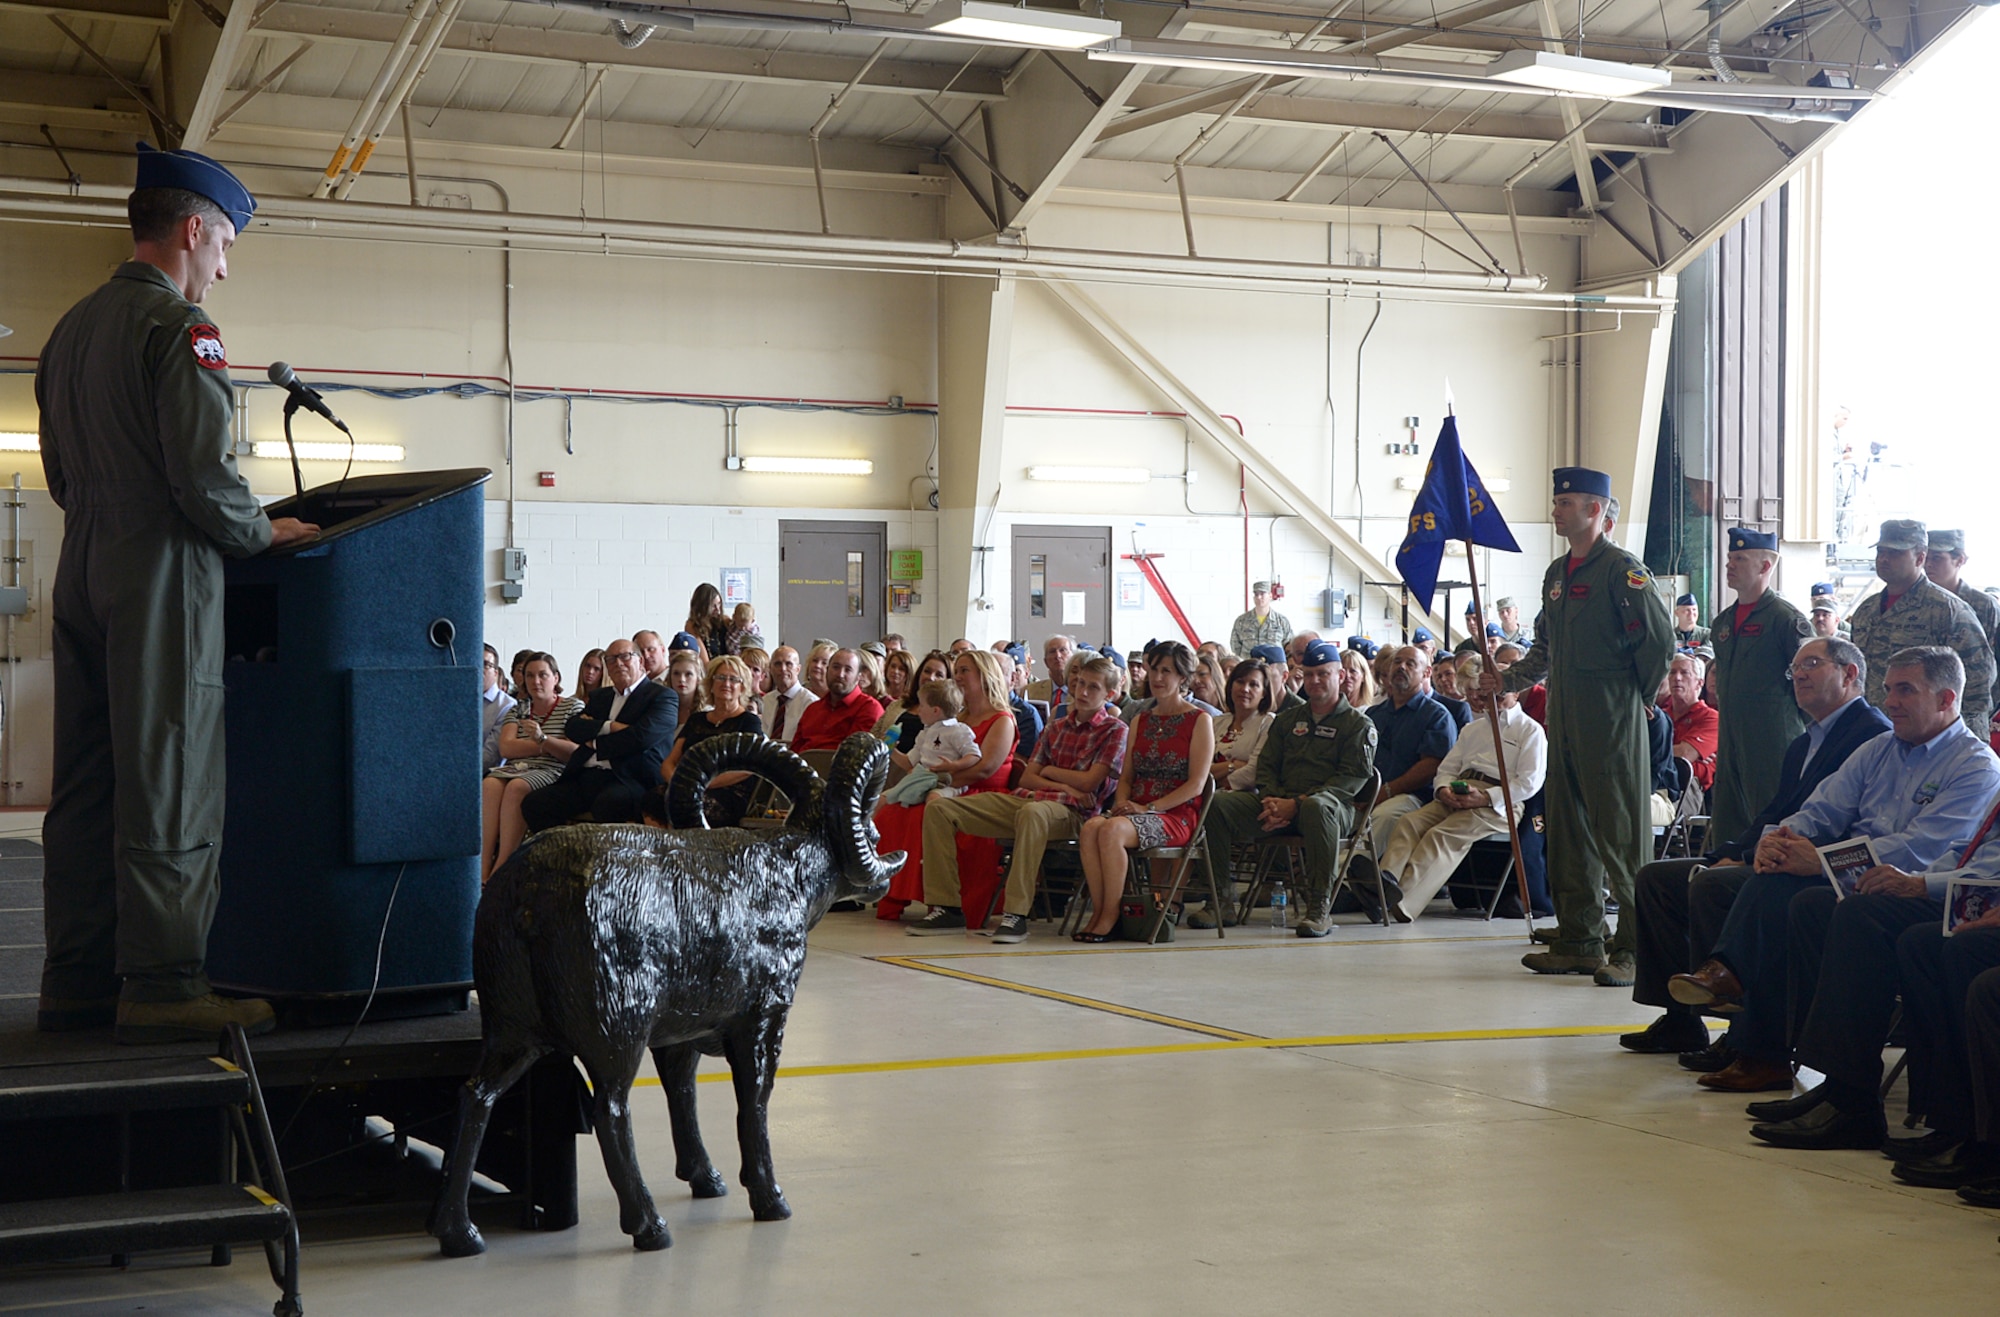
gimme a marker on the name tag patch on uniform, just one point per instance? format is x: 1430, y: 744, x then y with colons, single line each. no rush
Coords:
x: 207, y: 343
x: 1579, y: 591
x: 1750, y: 629
x: 1327, y: 733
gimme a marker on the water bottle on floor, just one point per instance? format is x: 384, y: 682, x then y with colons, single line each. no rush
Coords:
x: 1277, y: 905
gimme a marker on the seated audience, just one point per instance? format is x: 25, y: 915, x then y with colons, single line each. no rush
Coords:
x: 944, y: 747
x: 1447, y: 690
x: 1697, y: 726
x: 893, y: 642
x: 707, y: 625
x: 1414, y: 733
x: 897, y: 670
x: 1073, y: 772
x: 517, y: 684
x: 743, y: 632
x: 869, y: 681
x: 976, y: 673
x: 817, y: 656
x: 1251, y: 693
x: 494, y: 702
x: 684, y: 678
x: 1951, y: 1025
x: 1159, y: 789
x: 621, y: 737
x: 590, y: 674
x: 1027, y: 718
x: 1682, y: 903
x: 934, y: 666
x: 1467, y: 803
x: 758, y: 661
x: 652, y: 655
x: 1208, y: 684
x: 532, y: 739
x: 960, y: 646
x: 1916, y: 794
x: 725, y: 709
x: 1357, y: 680
x: 1315, y: 758
x: 786, y: 702
x: 844, y: 710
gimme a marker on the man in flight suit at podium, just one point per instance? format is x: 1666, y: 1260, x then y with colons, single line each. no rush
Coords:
x: 135, y: 403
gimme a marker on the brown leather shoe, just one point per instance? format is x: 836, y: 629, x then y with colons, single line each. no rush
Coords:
x: 1714, y: 985
x: 1744, y: 1075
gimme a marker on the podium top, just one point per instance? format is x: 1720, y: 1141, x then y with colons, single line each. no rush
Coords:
x: 348, y: 506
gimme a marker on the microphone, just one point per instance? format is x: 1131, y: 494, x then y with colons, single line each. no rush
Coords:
x: 282, y: 375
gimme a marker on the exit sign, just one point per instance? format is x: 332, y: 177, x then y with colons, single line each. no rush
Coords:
x: 906, y: 564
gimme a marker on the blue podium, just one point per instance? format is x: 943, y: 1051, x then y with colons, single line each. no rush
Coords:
x: 352, y: 699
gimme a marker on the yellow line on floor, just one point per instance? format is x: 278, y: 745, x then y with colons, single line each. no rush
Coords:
x: 1171, y: 1049
x: 1068, y: 999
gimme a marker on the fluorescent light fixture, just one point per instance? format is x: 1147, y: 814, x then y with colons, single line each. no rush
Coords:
x: 809, y: 466
x: 1572, y: 73
x: 322, y: 451
x: 1018, y: 25
x: 1092, y: 475
x: 19, y: 441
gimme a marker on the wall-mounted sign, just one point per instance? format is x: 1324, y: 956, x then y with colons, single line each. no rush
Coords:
x: 906, y: 564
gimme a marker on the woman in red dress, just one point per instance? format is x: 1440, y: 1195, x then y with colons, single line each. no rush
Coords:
x: 1166, y: 765
x: 901, y: 827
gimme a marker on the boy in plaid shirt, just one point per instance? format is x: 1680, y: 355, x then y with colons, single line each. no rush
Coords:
x: 1071, y: 775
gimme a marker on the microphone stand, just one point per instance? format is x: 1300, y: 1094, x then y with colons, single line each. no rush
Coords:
x: 298, y: 480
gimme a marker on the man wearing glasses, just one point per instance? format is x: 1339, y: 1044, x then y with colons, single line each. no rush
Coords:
x: 622, y: 738
x: 495, y: 703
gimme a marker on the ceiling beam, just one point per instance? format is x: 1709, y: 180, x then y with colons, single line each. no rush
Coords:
x: 1323, y: 112
x: 661, y: 55
x: 204, y: 60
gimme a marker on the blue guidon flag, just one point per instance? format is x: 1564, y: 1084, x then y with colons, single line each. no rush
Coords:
x: 1452, y: 505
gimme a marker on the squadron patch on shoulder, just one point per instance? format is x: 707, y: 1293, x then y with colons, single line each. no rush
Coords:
x: 1637, y: 579
x: 206, y: 340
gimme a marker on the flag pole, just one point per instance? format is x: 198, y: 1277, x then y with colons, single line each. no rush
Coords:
x: 1499, y: 749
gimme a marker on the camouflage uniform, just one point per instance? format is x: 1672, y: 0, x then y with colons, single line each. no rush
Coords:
x: 1248, y: 632
x: 1927, y: 614
x: 1987, y: 610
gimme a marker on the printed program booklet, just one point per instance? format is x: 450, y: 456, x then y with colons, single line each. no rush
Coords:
x: 1844, y: 862
x: 1966, y: 899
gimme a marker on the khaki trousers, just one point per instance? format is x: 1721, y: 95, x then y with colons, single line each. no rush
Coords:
x: 1428, y: 844
x: 1031, y: 823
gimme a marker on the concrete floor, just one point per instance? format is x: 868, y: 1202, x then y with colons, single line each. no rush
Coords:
x: 966, y: 1132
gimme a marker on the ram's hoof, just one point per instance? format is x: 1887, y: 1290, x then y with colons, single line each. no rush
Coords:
x: 709, y: 1185
x: 462, y: 1242
x: 653, y: 1238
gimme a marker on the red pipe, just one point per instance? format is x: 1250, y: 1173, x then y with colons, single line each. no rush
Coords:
x: 1152, y: 573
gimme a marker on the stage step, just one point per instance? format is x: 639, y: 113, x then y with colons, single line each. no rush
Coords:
x: 199, y: 1217
x: 163, y: 1084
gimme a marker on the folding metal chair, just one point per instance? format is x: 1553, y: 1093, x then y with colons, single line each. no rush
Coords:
x: 1291, y: 847
x: 1196, y: 847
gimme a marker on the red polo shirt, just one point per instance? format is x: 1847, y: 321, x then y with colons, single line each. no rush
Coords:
x: 828, y: 721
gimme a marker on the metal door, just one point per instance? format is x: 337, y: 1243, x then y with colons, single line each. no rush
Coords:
x: 1062, y: 584
x: 831, y: 581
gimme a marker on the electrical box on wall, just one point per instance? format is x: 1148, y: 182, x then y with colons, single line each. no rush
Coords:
x: 1333, y: 608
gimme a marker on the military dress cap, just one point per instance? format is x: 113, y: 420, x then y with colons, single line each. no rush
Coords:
x: 194, y: 172
x: 1903, y: 534
x: 1420, y: 635
x: 1269, y: 653
x: 1117, y: 659
x: 1260, y: 587
x: 1823, y: 603
x: 1363, y: 646
x: 1493, y: 629
x: 877, y: 648
x: 1822, y: 590
x: 1686, y: 601
x: 1503, y: 603
x: 1016, y: 651
x: 682, y: 640
x: 1742, y: 537
x: 1949, y: 541
x: 1582, y: 480
x: 1318, y: 654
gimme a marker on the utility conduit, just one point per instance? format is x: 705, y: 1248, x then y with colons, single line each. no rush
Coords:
x: 363, y: 114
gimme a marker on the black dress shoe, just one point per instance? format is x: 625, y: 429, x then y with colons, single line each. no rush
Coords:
x: 1778, y: 1110
x: 1825, y: 1127
x: 1968, y: 1163
x: 1934, y: 1144
x: 1669, y: 1033
x: 1718, y: 1055
x: 1986, y: 1193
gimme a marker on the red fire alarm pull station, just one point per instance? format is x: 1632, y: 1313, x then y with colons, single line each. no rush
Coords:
x: 547, y: 479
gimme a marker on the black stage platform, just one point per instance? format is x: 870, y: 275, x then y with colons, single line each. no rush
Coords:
x: 332, y: 1104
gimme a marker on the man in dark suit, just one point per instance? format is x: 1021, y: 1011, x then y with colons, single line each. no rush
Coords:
x: 622, y: 737
x: 1682, y: 903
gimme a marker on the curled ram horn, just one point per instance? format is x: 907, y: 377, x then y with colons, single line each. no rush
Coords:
x: 748, y: 753
x: 860, y: 767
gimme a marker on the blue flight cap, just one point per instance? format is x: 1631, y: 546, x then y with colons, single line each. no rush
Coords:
x: 1582, y: 480
x: 194, y: 172
x: 1269, y: 653
x: 1493, y: 629
x: 1318, y: 654
x: 1117, y: 659
x: 682, y: 640
x: 1685, y: 601
x: 1420, y: 635
x: 1018, y: 652
x: 1742, y: 537
x: 1363, y: 646
x: 1822, y: 590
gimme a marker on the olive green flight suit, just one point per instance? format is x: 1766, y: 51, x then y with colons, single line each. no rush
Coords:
x: 1603, y: 644
x: 1760, y: 716
x: 135, y: 407
x: 1321, y: 763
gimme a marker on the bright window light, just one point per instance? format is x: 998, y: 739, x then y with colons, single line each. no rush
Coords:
x: 1573, y: 73
x: 809, y: 466
x: 1019, y: 25
x: 1092, y: 475
x: 321, y: 451
x: 19, y: 441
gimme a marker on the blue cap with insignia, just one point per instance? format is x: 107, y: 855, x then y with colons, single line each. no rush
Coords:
x: 194, y: 172
x: 1582, y: 480
x: 1685, y: 601
x: 1117, y: 659
x: 1420, y: 635
x: 1903, y: 534
x: 1018, y: 652
x: 1493, y: 629
x: 682, y: 640
x: 1269, y: 653
x: 1318, y: 654
x: 1742, y: 537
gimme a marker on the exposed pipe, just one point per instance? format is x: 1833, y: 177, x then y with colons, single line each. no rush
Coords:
x: 632, y: 37
x: 825, y: 118
x: 364, y: 112
x: 413, y: 72
x: 14, y: 556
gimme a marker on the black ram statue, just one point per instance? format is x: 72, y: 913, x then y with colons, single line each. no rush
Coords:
x: 609, y: 941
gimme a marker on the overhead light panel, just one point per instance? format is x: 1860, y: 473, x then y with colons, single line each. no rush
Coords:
x: 315, y: 450
x: 1092, y: 475
x: 1576, y: 75
x: 19, y: 441
x: 808, y: 466
x: 1017, y: 25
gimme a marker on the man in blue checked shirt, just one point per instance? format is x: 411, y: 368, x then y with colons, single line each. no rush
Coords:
x: 1918, y: 795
